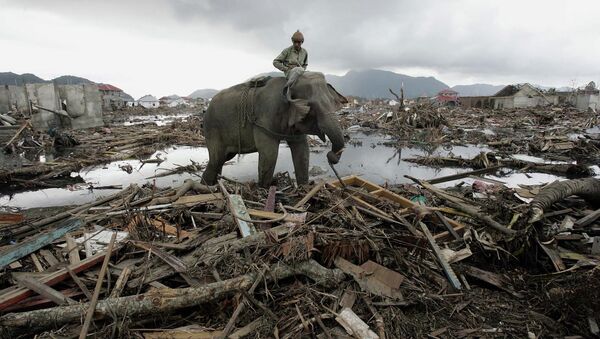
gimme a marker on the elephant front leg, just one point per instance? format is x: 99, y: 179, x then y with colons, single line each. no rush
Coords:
x: 268, y: 149
x: 300, y: 156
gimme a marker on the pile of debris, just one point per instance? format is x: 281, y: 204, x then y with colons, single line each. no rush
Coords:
x: 346, y: 258
x: 81, y: 148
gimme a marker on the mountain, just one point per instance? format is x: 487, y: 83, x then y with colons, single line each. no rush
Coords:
x: 10, y: 78
x: 71, y: 80
x: 206, y: 93
x: 477, y: 89
x: 374, y: 83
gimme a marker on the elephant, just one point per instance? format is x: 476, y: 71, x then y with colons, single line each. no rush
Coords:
x: 247, y: 118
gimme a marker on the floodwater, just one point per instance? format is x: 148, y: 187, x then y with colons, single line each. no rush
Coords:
x: 365, y: 155
x: 158, y: 119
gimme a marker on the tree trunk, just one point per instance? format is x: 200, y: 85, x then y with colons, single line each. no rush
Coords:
x: 158, y: 302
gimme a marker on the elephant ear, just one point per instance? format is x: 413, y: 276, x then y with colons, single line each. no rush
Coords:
x: 298, y: 110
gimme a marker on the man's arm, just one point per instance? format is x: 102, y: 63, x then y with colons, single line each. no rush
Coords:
x: 278, y: 62
x: 305, y: 63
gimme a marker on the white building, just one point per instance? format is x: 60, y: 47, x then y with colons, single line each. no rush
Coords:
x: 520, y: 96
x: 148, y: 101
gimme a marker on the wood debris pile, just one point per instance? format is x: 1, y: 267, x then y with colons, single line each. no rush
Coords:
x: 330, y: 260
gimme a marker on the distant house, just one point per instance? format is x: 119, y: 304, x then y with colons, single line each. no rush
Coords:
x: 173, y: 101
x: 148, y: 101
x: 447, y: 97
x: 114, y: 98
x: 520, y: 96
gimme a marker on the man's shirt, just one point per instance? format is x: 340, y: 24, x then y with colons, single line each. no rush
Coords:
x: 289, y: 58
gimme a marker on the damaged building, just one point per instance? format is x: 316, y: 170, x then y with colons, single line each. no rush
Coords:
x: 54, y: 106
x: 526, y: 95
x: 113, y: 98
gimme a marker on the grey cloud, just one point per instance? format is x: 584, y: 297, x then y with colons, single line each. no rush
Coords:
x: 491, y: 39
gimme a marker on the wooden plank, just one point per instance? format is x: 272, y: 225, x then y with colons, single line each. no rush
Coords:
x: 121, y: 281
x: 14, y: 265
x: 443, y: 220
x: 168, y: 228
x: 381, y: 281
x: 13, y: 295
x: 72, y: 250
x: 438, y: 253
x: 36, y: 262
x: 387, y: 194
x: 588, y: 219
x: 596, y: 245
x: 34, y: 243
x: 79, y: 283
x: 38, y: 301
x: 49, y: 257
x: 491, y: 278
x: 44, y: 290
x: 10, y: 218
x: 269, y: 215
x: 463, y: 175
x: 559, y: 265
x: 238, y: 208
x: 311, y: 193
x: 191, y: 200
x: 92, y: 307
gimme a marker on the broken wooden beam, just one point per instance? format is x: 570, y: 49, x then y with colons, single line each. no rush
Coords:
x: 442, y: 260
x: 44, y: 290
x: 588, y: 219
x: 36, y: 242
x: 13, y: 295
x: 463, y: 175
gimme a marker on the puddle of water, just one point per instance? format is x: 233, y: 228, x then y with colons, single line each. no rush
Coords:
x: 513, y: 180
x: 537, y: 160
x: 159, y: 120
x: 575, y: 136
x: 593, y: 130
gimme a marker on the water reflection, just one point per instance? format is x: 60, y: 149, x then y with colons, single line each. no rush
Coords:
x: 366, y: 156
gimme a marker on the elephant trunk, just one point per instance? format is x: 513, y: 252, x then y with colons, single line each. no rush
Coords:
x: 329, y: 125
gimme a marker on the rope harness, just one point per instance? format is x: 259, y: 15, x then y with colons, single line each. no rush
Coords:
x: 246, y: 114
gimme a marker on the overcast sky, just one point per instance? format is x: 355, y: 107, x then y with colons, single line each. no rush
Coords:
x: 162, y: 47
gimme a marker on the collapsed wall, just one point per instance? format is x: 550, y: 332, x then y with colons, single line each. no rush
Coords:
x: 54, y: 106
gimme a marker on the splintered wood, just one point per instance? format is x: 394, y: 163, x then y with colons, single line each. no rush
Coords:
x: 326, y: 260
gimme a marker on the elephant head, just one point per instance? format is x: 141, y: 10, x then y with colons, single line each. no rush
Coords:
x: 312, y: 111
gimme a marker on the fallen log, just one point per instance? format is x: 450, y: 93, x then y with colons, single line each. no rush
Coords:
x: 161, y: 301
x: 461, y: 206
x: 588, y: 189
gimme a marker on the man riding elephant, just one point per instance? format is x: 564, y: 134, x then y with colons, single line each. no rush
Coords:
x: 255, y: 117
x: 293, y: 56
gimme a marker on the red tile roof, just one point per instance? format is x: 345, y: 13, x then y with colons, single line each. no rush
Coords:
x: 107, y: 87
